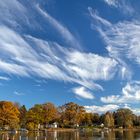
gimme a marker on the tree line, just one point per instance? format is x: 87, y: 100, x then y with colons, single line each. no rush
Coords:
x: 69, y: 115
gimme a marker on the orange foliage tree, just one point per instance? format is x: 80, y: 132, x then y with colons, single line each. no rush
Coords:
x: 9, y: 115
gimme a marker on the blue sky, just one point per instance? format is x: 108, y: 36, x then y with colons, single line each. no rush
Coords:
x: 86, y: 52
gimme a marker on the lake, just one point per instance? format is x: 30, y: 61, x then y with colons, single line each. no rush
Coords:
x: 73, y: 135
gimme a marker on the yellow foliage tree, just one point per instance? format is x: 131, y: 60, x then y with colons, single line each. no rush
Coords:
x: 9, y: 115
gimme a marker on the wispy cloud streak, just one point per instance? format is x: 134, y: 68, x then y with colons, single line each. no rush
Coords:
x: 122, y: 5
x: 130, y: 93
x: 18, y: 93
x: 122, y: 41
x: 52, y: 60
x: 4, y: 78
x: 64, y: 32
x: 22, y: 54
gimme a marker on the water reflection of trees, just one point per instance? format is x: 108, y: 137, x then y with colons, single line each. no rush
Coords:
x: 119, y: 134
x: 7, y: 136
x: 73, y: 135
x: 129, y: 135
x: 111, y: 135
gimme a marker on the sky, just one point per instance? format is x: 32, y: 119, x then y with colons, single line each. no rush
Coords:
x: 87, y: 52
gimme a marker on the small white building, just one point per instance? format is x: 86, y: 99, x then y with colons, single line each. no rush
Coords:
x: 102, y: 125
x: 54, y: 125
x: 76, y: 125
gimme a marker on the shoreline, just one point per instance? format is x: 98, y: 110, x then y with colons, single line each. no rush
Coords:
x: 91, y: 129
x: 73, y: 129
x: 61, y: 129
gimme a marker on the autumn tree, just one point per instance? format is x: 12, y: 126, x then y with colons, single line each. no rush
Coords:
x: 124, y: 118
x: 9, y: 114
x: 34, y: 117
x: 71, y: 114
x: 50, y: 113
x: 41, y: 114
x: 88, y: 119
x: 109, y: 119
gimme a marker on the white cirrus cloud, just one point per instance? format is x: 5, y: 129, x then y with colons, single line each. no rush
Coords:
x: 11, y: 68
x: 91, y: 66
x: 18, y: 93
x: 22, y: 17
x: 4, y: 78
x: 121, y: 40
x: 112, y: 2
x: 130, y: 94
x: 101, y: 109
x: 21, y: 54
x: 95, y: 15
x: 123, y: 5
x: 19, y: 15
x: 48, y: 59
x: 83, y: 93
x: 124, y: 38
x: 64, y: 32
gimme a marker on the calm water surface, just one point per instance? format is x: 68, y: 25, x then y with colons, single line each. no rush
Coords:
x: 75, y: 135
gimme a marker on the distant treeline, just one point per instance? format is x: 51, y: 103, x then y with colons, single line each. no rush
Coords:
x: 69, y: 115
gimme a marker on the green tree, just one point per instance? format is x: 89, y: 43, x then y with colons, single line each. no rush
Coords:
x: 22, y: 117
x: 136, y: 120
x: 96, y: 118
